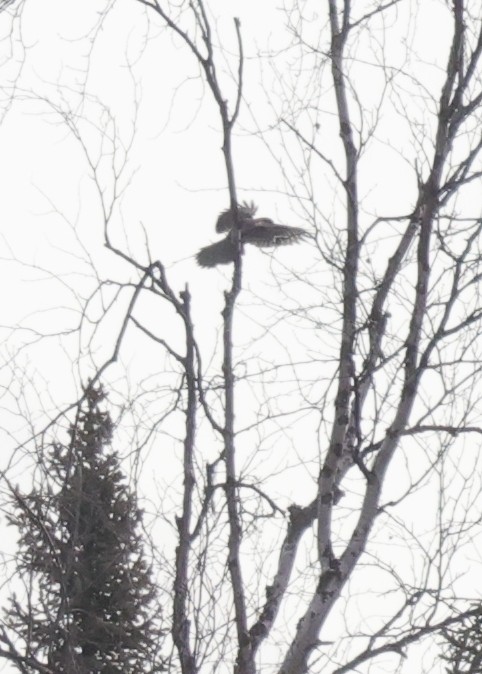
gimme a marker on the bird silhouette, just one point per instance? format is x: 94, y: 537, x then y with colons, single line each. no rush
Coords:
x: 261, y: 232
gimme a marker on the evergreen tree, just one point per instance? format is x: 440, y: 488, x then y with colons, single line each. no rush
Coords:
x: 90, y: 595
x: 464, y: 645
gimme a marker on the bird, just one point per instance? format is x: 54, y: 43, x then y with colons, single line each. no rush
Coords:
x: 225, y: 221
x: 261, y: 232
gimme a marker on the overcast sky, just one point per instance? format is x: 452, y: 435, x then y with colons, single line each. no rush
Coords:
x: 104, y: 109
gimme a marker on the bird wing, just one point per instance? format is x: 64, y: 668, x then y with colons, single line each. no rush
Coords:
x: 222, y: 252
x: 225, y: 220
x: 248, y: 209
x: 269, y: 234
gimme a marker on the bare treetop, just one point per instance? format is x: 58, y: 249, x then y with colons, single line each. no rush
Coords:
x: 304, y: 422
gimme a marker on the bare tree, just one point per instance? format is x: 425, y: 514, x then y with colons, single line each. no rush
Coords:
x: 330, y: 467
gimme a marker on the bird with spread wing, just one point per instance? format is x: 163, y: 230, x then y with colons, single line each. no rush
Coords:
x: 261, y: 232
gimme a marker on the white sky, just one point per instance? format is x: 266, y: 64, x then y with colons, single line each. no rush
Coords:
x: 130, y: 84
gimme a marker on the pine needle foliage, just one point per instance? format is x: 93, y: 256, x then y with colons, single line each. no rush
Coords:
x: 464, y: 645
x: 90, y: 598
